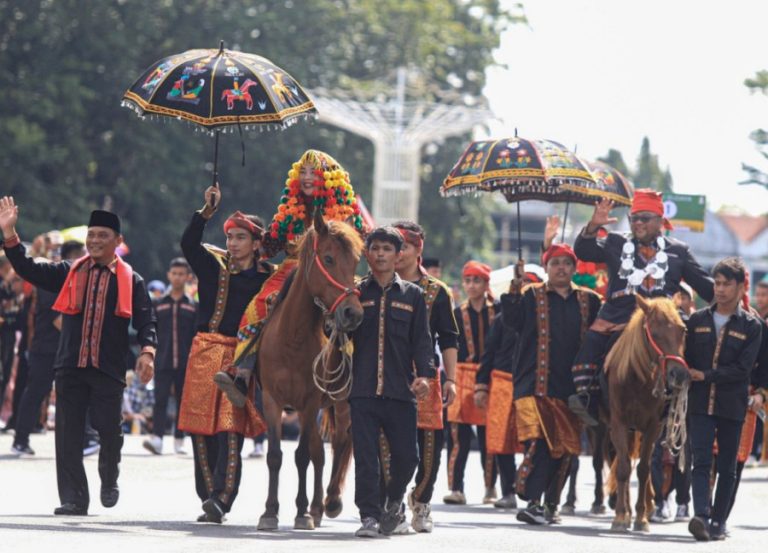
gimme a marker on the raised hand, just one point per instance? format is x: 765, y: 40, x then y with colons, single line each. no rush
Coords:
x: 551, y: 230
x: 212, y: 196
x: 517, y: 282
x: 602, y: 215
x: 9, y: 214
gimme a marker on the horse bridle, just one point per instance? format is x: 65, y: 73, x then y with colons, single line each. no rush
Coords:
x: 663, y: 358
x: 345, y: 291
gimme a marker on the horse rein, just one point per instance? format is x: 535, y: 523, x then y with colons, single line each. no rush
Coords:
x: 663, y: 358
x: 345, y: 291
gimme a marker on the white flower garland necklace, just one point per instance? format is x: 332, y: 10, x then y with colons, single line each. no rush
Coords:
x: 656, y: 268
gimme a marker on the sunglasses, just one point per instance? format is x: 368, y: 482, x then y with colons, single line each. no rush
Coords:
x: 642, y: 218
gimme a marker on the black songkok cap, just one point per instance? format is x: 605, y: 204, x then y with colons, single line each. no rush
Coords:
x: 107, y: 219
x: 430, y: 262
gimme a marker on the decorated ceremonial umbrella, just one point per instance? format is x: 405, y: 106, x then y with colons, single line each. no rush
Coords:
x: 220, y: 89
x: 523, y: 169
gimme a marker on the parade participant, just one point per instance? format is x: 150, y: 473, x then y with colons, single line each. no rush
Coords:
x: 315, y: 181
x: 227, y: 282
x: 444, y: 332
x: 643, y: 262
x: 392, y: 340
x: 176, y: 313
x: 494, y: 391
x: 98, y: 295
x: 42, y: 358
x: 551, y: 320
x: 722, y: 345
x: 475, y: 314
x: 433, y: 267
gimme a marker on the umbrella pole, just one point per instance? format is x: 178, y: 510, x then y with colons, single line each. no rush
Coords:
x: 519, y: 235
x: 216, y: 163
x: 565, y: 220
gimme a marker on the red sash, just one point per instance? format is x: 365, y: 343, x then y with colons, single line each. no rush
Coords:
x: 72, y: 294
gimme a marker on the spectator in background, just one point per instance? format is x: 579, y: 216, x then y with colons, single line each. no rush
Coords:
x: 156, y: 289
x: 433, y: 267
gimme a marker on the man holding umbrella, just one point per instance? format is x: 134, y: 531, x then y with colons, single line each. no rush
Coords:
x: 98, y: 295
x: 643, y: 262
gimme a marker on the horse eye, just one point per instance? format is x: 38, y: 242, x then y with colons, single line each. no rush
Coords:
x: 328, y: 260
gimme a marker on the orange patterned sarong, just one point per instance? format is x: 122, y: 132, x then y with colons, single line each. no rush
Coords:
x: 549, y: 419
x: 501, y: 428
x: 429, y: 410
x: 463, y: 409
x: 204, y: 409
x: 747, y: 439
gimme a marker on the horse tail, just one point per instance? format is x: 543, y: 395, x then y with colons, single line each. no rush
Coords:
x: 328, y: 423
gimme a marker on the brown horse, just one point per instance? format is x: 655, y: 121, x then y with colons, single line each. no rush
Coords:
x: 291, y: 340
x: 645, y: 369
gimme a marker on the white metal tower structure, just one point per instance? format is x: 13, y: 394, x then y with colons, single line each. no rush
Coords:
x: 398, y: 129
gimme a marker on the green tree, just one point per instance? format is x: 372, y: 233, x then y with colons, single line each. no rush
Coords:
x: 648, y: 173
x: 69, y: 147
x: 755, y: 175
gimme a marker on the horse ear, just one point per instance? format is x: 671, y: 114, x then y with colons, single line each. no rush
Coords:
x: 642, y: 303
x: 319, y: 223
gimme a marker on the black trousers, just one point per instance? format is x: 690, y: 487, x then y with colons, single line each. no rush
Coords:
x: 397, y: 421
x: 77, y: 389
x: 702, y: 430
x: 461, y: 435
x: 218, y: 467
x: 507, y: 470
x: 39, y: 383
x: 7, y: 342
x: 541, y: 474
x: 20, y: 384
x: 430, y: 446
x: 163, y: 382
x: 681, y: 481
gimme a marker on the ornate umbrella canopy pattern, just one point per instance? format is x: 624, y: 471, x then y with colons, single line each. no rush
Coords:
x: 609, y: 183
x: 521, y: 169
x: 219, y: 88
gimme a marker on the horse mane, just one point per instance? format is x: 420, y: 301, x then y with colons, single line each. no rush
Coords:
x: 344, y: 234
x: 631, y: 352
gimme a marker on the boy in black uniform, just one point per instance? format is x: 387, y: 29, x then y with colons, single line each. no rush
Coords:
x: 722, y: 346
x: 392, y: 339
x: 99, y: 295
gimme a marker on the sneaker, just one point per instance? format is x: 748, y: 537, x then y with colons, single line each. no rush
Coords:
x: 490, y: 495
x: 455, y: 498
x: 533, y: 514
x: 178, y: 446
x: 577, y: 403
x: 369, y: 528
x: 699, y: 529
x: 22, y: 450
x: 551, y: 514
x: 506, y: 502
x: 258, y: 450
x: 682, y: 513
x: 421, y: 521
x: 154, y: 445
x: 392, y: 517
x: 658, y: 515
x: 91, y: 448
x: 716, y: 531
x: 234, y: 387
x: 666, y: 510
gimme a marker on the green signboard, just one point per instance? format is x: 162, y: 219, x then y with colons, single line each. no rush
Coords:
x: 685, y: 211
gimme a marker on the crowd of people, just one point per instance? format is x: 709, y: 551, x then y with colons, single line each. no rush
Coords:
x: 515, y: 375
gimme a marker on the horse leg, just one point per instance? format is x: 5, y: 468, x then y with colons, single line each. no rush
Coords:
x: 623, y: 468
x: 273, y: 415
x: 303, y: 521
x: 342, y: 455
x: 317, y: 454
x: 598, y: 460
x: 644, y: 479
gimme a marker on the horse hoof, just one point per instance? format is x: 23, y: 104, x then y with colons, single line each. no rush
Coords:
x: 318, y: 520
x: 619, y: 526
x: 568, y: 510
x: 597, y: 509
x: 641, y: 526
x: 333, y: 507
x: 267, y: 523
x: 304, y: 522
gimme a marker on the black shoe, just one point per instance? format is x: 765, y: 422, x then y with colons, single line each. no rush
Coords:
x: 22, y: 450
x: 110, y: 495
x: 578, y: 404
x: 205, y: 517
x: 698, y: 528
x: 533, y: 514
x: 71, y: 509
x: 213, y: 511
x: 716, y: 531
x: 234, y: 387
x: 392, y: 517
